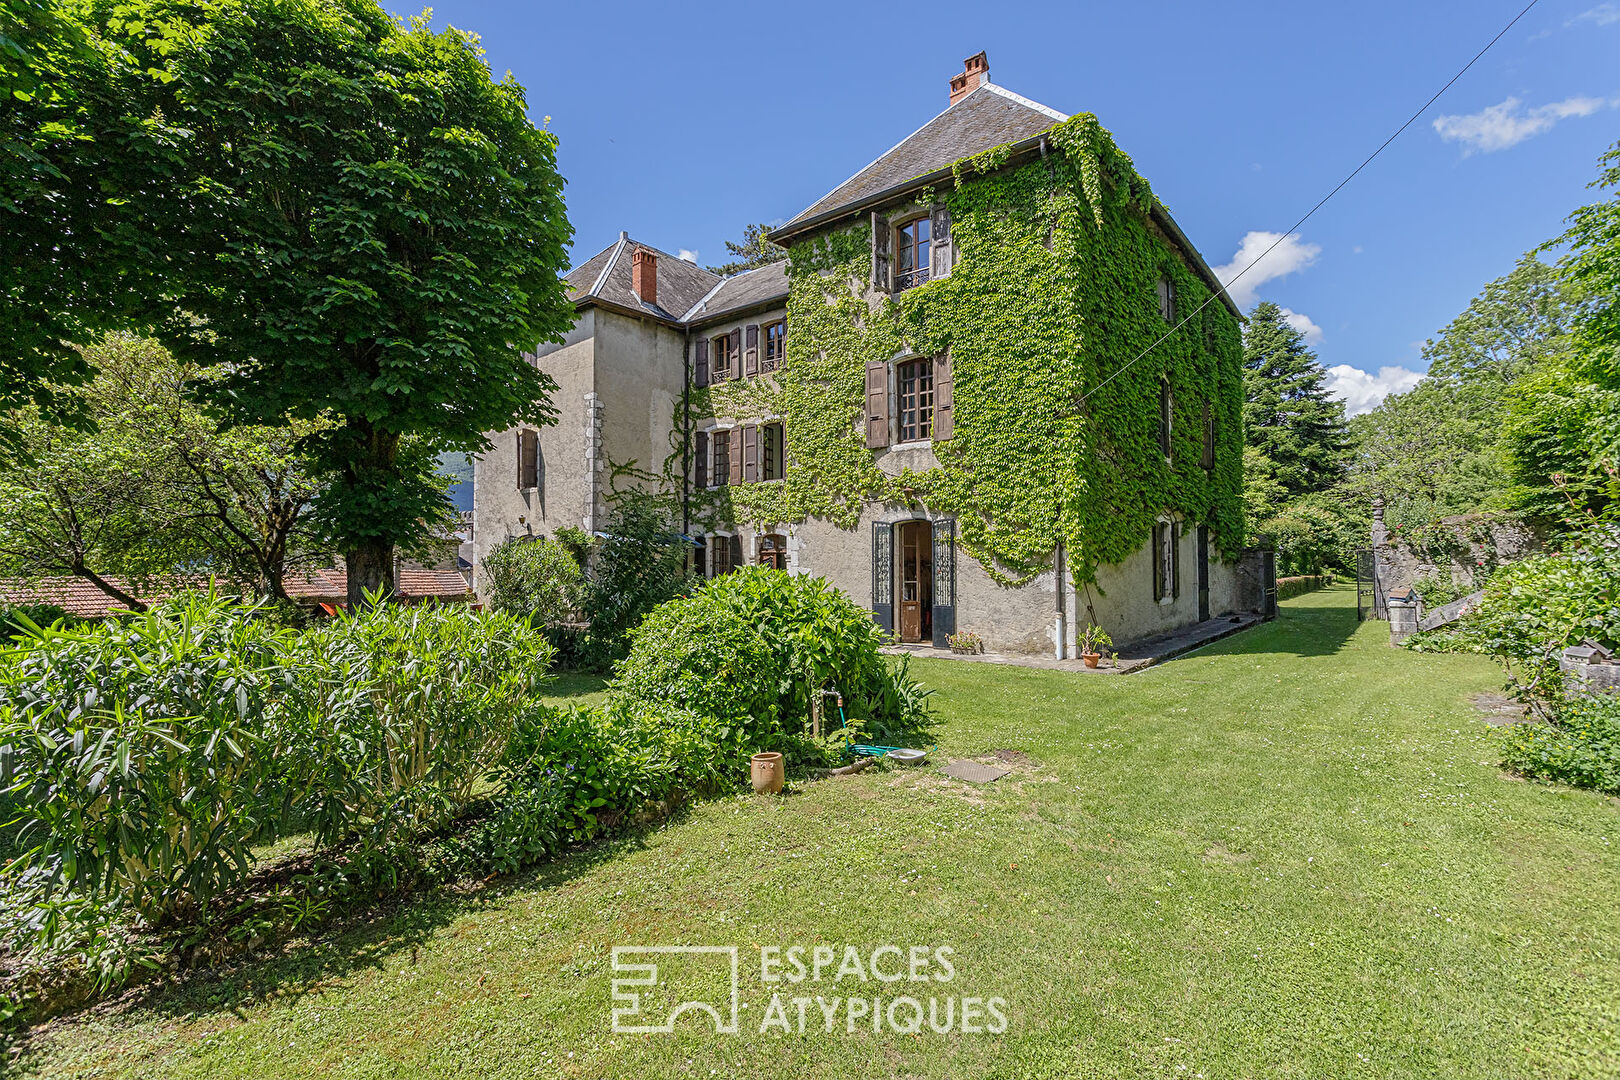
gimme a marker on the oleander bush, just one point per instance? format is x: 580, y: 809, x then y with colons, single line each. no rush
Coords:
x: 536, y: 577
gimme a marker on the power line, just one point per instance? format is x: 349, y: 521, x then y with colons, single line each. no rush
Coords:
x: 1295, y: 226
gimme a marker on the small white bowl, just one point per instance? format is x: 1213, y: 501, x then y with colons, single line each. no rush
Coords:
x: 907, y: 757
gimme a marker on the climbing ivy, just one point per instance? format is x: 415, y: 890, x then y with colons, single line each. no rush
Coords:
x: 1054, y: 289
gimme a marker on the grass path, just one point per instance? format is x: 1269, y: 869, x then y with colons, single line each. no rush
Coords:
x: 1289, y: 855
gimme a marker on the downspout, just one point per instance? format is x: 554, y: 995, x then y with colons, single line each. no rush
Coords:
x: 1062, y: 613
x: 686, y: 434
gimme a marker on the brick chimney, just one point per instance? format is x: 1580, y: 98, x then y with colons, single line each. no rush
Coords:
x: 644, y: 275
x: 975, y: 70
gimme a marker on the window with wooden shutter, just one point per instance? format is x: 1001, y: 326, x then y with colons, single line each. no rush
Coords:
x: 700, y: 365
x: 528, y: 459
x: 1167, y: 299
x: 722, y: 458
x: 877, y: 404
x: 1208, y: 460
x: 772, y: 451
x: 944, y: 253
x: 736, y: 552
x: 736, y: 455
x: 735, y: 359
x: 913, y: 253
x: 1175, y: 558
x: 944, y: 416
x: 880, y: 252
x: 750, y: 453
x: 720, y: 555
x: 700, y: 460
x: 775, y: 350
x: 751, y: 351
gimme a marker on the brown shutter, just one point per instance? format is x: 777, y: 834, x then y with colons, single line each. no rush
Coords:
x: 877, y: 404
x: 944, y: 415
x: 939, y: 262
x: 736, y: 455
x: 750, y: 453
x: 734, y: 351
x: 700, y: 457
x: 529, y: 459
x: 880, y: 252
x: 751, y: 351
x: 701, y: 366
x: 1158, y: 562
x: 1175, y: 559
x: 736, y: 552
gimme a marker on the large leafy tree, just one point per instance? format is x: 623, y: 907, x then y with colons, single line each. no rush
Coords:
x: 1510, y: 328
x: 1288, y: 414
x: 373, y: 233
x: 152, y: 489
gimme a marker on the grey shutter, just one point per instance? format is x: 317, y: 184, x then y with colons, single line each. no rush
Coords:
x: 736, y: 552
x: 880, y: 252
x: 750, y: 453
x: 939, y: 260
x: 701, y: 366
x: 734, y: 351
x: 1158, y: 562
x: 1175, y: 559
x: 883, y: 575
x: 736, y: 455
x: 944, y: 415
x: 877, y: 404
x: 700, y: 455
x: 529, y: 459
x: 751, y: 351
x: 944, y: 581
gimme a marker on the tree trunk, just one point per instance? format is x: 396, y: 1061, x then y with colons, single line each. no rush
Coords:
x: 370, y: 566
x: 108, y: 587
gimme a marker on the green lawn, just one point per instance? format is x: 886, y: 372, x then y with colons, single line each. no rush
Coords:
x: 1291, y: 855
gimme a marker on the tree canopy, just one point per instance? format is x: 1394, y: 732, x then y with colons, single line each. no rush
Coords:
x: 1288, y: 414
x: 754, y: 251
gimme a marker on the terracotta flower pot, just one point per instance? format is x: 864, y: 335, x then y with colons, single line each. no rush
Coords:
x: 767, y: 773
x: 1091, y: 658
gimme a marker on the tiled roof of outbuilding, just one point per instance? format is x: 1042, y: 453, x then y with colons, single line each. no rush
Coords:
x: 750, y: 288
x: 989, y: 116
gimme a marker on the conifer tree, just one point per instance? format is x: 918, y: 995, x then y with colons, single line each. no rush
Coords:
x: 1288, y: 414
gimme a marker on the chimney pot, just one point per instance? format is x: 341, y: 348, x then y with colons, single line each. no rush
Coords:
x: 644, y: 275
x: 975, y: 72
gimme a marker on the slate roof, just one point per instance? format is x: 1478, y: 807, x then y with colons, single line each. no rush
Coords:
x: 990, y: 116
x: 606, y: 276
x: 750, y: 288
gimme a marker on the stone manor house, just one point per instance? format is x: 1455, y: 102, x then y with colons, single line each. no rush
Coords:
x: 700, y: 381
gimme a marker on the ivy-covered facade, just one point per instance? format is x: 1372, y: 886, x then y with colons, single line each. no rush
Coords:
x: 932, y: 402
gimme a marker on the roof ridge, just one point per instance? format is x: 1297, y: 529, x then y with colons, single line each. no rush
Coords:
x: 704, y: 299
x: 601, y: 279
x: 996, y: 88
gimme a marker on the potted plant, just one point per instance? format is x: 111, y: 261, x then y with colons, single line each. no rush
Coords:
x: 966, y: 642
x: 1093, y: 639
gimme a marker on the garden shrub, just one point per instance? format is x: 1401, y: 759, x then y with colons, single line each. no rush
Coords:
x: 396, y: 714
x: 754, y: 646
x: 1580, y: 747
x: 640, y: 564
x: 137, y: 748
x: 537, y: 577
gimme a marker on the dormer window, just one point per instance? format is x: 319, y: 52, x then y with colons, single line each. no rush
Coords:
x: 913, y: 244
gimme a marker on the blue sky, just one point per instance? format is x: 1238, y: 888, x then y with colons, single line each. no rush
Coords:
x: 682, y: 123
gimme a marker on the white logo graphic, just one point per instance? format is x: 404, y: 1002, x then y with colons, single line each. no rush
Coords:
x: 628, y: 1009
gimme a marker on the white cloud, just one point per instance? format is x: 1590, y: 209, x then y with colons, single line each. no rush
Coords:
x: 1506, y: 124
x: 1290, y: 255
x: 1304, y: 324
x: 688, y: 256
x: 1602, y: 15
x: 1362, y: 391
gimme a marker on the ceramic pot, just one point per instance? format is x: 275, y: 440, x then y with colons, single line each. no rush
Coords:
x: 1091, y: 658
x: 767, y: 773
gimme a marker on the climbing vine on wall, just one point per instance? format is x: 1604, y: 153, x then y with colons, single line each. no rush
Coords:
x: 1054, y: 290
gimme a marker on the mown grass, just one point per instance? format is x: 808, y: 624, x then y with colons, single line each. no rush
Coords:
x: 1290, y: 855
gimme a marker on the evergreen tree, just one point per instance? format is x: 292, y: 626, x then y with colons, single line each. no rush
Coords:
x: 1288, y: 415
x: 754, y: 251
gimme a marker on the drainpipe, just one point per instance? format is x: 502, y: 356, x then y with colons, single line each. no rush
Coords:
x: 1062, y: 627
x: 686, y: 435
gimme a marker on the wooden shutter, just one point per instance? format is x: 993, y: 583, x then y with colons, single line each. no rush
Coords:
x: 700, y: 455
x: 1209, y: 436
x: 734, y: 348
x: 939, y: 261
x: 944, y: 415
x: 1158, y: 562
x: 750, y: 453
x: 944, y: 536
x: 880, y: 252
x: 736, y: 455
x: 751, y: 351
x: 877, y: 404
x: 529, y: 459
x: 736, y: 552
x: 701, y: 365
x: 883, y: 575
x: 1175, y: 559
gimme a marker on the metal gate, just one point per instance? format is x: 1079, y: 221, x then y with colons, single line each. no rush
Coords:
x: 1366, y: 585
